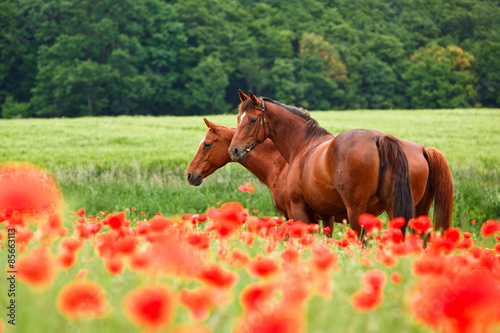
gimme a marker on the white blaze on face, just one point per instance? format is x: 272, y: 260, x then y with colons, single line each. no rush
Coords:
x: 202, y: 141
x: 243, y: 116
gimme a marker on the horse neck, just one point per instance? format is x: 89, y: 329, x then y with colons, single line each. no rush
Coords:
x: 266, y: 163
x: 288, y: 132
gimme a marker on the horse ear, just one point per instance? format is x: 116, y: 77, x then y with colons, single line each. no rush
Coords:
x: 243, y: 97
x: 209, y: 124
x: 254, y: 98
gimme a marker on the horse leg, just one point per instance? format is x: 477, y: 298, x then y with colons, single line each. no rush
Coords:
x: 353, y: 214
x: 302, y: 212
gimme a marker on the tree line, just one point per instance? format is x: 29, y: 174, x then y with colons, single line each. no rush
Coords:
x: 106, y: 57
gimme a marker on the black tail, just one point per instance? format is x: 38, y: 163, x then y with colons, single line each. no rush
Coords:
x: 394, y: 169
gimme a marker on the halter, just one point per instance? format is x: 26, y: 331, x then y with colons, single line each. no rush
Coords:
x: 261, y: 120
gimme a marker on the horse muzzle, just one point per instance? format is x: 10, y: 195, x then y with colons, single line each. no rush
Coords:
x: 238, y: 154
x: 194, y: 178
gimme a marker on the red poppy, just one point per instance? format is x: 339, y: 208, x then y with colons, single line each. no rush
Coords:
x: 263, y: 267
x: 238, y: 258
x: 70, y: 244
x: 217, y: 276
x: 140, y: 261
x: 452, y: 234
x: 465, y: 301
x: 228, y: 219
x: 126, y: 245
x: 200, y: 301
x: 367, y: 300
x: 80, y: 212
x: 323, y: 257
x: 82, y: 300
x: 114, y: 265
x: 66, y: 260
x: 370, y: 222
x: 290, y: 256
x: 150, y: 306
x: 159, y: 223
x: 115, y: 220
x: 27, y: 192
x: 36, y: 268
x: 255, y: 296
x: 422, y: 224
x: 249, y: 187
x: 397, y: 223
x: 82, y: 273
x: 396, y: 278
x: 489, y: 228
x: 200, y: 241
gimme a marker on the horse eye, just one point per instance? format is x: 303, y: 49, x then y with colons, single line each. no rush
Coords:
x: 207, y: 145
x: 253, y: 120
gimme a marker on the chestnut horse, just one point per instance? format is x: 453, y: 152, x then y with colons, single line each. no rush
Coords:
x: 265, y: 162
x: 355, y: 172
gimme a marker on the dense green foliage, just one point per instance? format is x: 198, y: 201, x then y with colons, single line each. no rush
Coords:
x: 113, y: 163
x: 76, y: 58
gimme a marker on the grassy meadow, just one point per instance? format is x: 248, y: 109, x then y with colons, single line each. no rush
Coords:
x: 115, y: 163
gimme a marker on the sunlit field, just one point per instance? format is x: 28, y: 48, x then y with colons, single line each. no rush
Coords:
x: 118, y: 241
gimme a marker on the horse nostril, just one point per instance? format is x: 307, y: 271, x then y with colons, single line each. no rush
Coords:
x: 189, y: 175
x: 235, y: 151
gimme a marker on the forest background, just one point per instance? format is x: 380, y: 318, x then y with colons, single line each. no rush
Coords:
x: 90, y: 58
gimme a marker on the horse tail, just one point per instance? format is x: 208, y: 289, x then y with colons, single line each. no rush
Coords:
x: 440, y: 186
x: 393, y: 163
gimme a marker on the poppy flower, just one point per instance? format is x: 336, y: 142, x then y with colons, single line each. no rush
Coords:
x: 254, y: 296
x: 371, y: 296
x: 249, y: 187
x: 200, y: 241
x: 149, y: 307
x: 27, y: 192
x: 370, y: 222
x: 489, y: 228
x: 82, y: 300
x: 397, y: 223
x: 140, y: 261
x: 263, y: 267
x: 238, y: 258
x: 199, y: 301
x: 323, y: 257
x: 114, y: 265
x: 465, y: 301
x: 217, y: 276
x: 228, y: 219
x: 36, y: 268
x: 66, y: 259
x: 452, y: 234
x: 421, y: 225
x: 159, y: 223
x: 80, y: 212
x: 396, y: 278
x: 82, y: 273
x: 290, y: 256
x: 115, y: 220
x: 70, y: 244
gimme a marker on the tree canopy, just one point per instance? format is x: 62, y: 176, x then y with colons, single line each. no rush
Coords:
x: 77, y: 58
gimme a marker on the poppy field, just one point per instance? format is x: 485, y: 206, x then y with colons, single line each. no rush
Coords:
x: 226, y: 270
x: 142, y: 253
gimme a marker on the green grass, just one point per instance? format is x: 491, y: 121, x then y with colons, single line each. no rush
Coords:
x: 115, y: 163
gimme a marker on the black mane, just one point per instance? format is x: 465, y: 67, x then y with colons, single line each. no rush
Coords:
x: 313, y: 130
